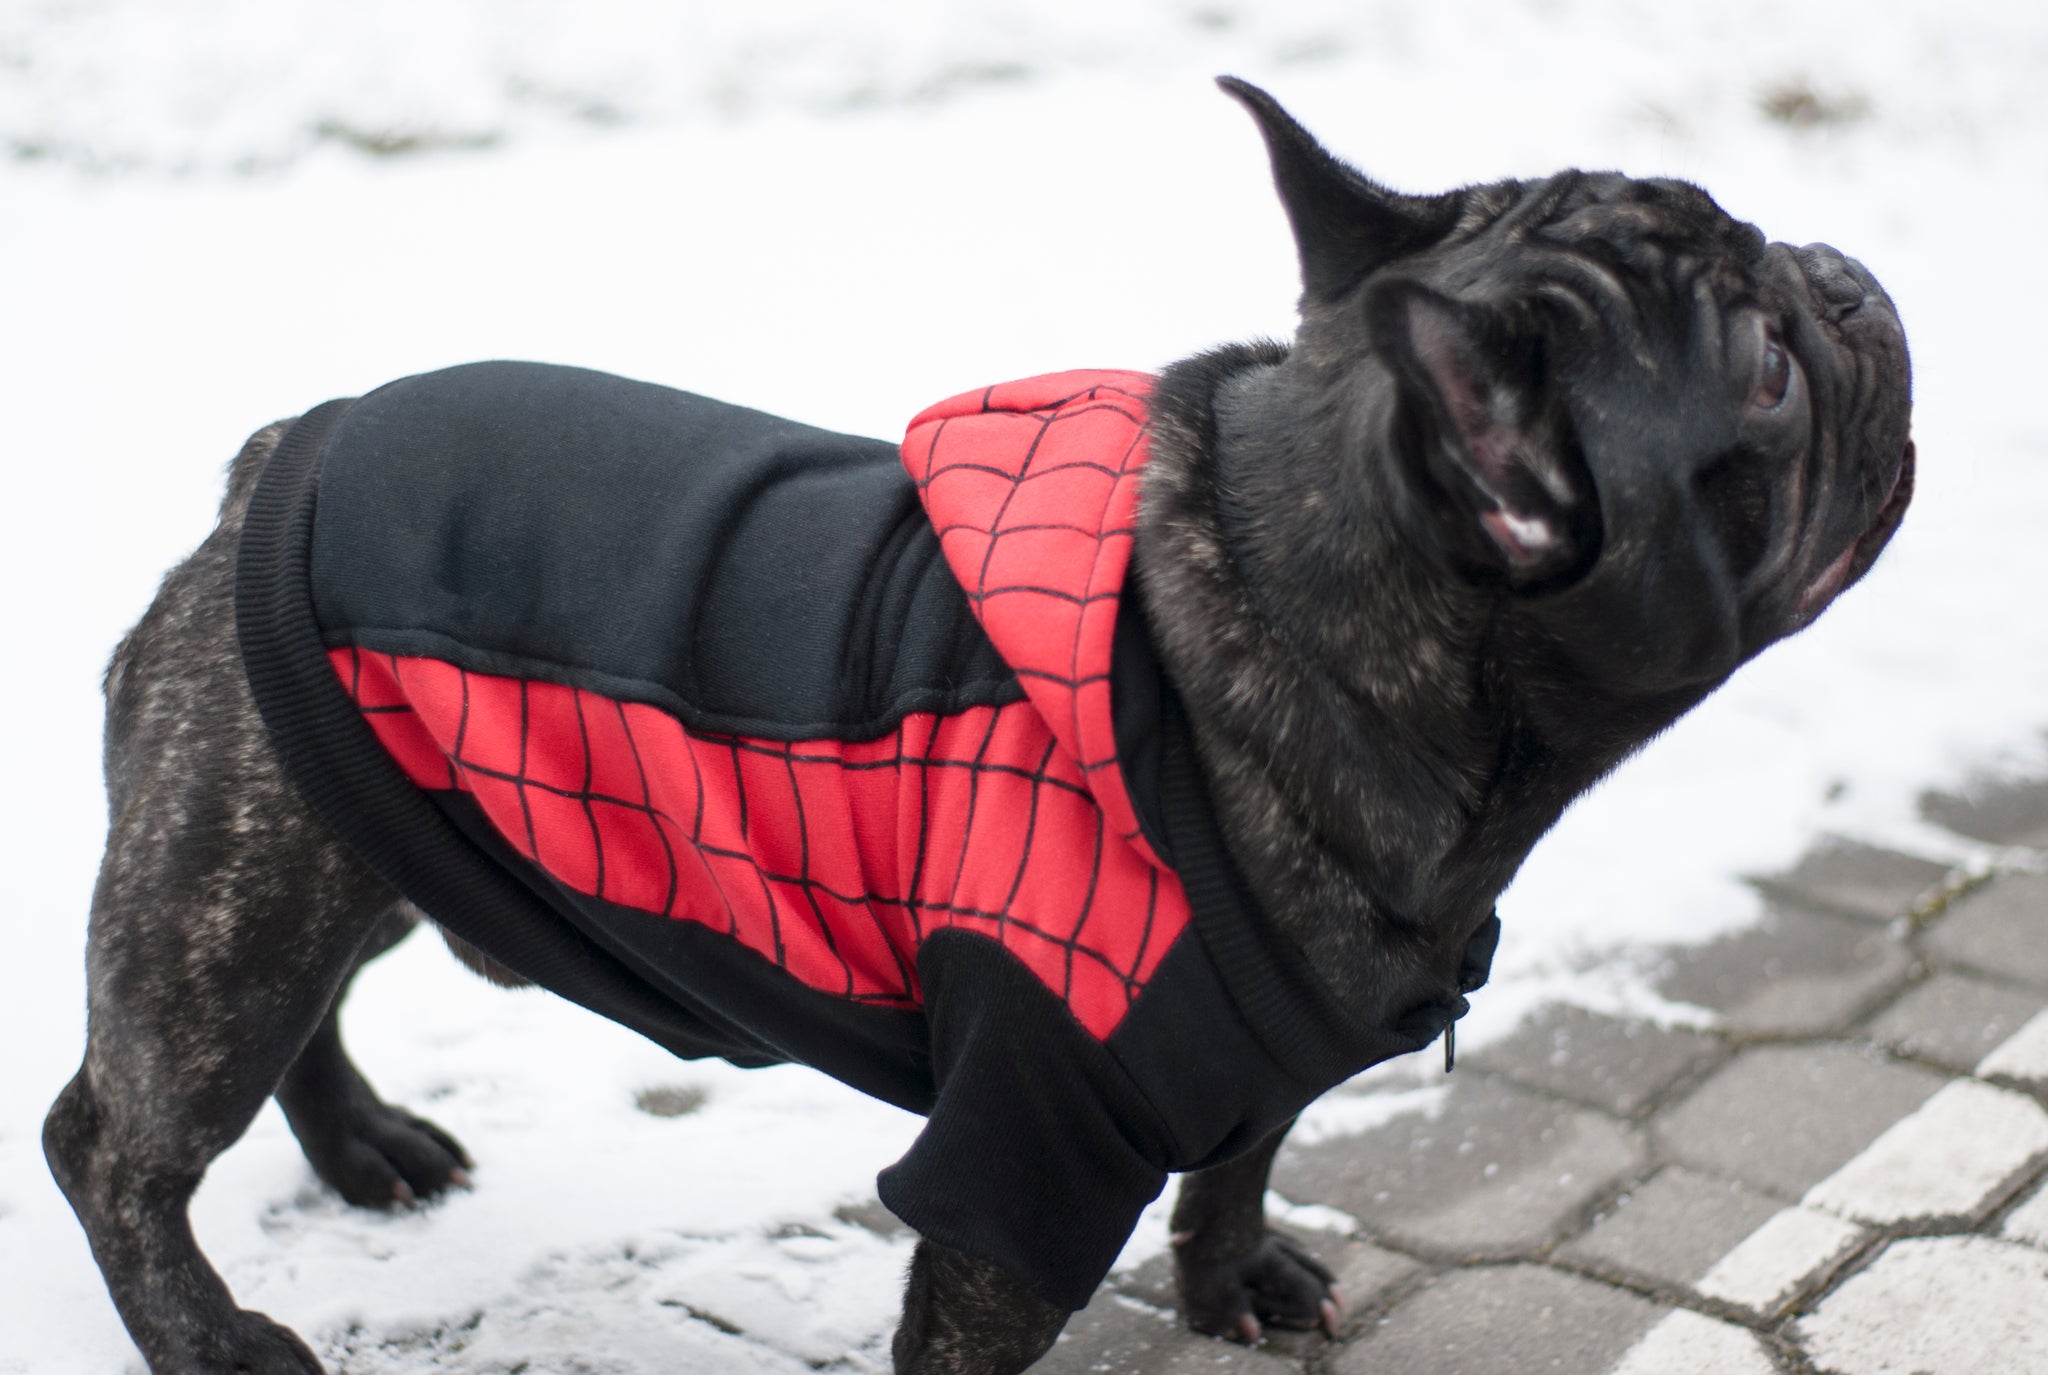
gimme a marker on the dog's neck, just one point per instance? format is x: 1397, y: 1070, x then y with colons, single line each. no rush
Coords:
x: 1378, y: 771
x: 1317, y: 561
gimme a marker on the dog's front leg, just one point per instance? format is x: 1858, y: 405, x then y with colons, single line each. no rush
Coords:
x: 1234, y: 1273
x: 963, y: 1316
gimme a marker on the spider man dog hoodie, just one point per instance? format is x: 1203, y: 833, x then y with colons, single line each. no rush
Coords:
x: 782, y: 745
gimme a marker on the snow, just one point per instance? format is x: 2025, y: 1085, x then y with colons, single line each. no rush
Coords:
x: 842, y: 214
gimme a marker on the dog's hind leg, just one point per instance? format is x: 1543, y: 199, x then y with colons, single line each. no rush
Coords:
x: 366, y: 1150
x: 225, y: 922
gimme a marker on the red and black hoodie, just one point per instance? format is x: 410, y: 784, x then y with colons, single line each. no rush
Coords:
x: 782, y: 745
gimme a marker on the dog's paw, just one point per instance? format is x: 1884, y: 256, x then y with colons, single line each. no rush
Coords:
x: 248, y: 1343
x: 1276, y: 1283
x: 379, y: 1156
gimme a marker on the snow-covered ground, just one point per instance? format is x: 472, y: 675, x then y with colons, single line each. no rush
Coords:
x: 842, y: 213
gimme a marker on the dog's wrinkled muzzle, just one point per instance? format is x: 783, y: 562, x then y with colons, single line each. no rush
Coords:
x: 1841, y: 284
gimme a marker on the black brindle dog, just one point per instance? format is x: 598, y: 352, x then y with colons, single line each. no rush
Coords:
x: 1546, y: 461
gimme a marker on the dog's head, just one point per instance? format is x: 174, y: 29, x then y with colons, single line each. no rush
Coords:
x: 1670, y: 441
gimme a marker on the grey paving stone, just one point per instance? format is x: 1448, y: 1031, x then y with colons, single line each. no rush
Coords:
x: 2029, y: 1222
x: 2002, y: 811
x: 1783, y: 1118
x: 1519, y: 1320
x: 1116, y: 1335
x: 1954, y: 1019
x: 1968, y: 1148
x: 1364, y: 1273
x: 1960, y: 1305
x: 1672, y: 1229
x: 1856, y: 880
x: 1685, y: 1343
x: 2022, y: 1059
x: 1605, y: 1061
x: 1795, y: 973
x: 1999, y: 929
x: 1499, y: 1172
x: 1152, y: 1282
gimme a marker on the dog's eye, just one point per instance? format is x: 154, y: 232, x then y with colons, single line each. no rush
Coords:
x: 1776, y: 376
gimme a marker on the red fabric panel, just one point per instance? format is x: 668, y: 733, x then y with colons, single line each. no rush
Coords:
x: 1033, y: 488
x: 834, y: 861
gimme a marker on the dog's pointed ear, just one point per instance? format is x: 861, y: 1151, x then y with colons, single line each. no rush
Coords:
x: 1474, y: 416
x: 1346, y: 225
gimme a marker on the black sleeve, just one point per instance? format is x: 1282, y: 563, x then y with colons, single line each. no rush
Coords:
x: 1039, y: 1154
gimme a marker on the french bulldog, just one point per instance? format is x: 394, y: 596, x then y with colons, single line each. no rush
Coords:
x: 1546, y: 461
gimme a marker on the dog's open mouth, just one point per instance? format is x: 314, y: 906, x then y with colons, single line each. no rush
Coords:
x: 1854, y: 561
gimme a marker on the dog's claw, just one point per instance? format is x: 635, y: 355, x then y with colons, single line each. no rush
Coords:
x: 1248, y: 1329
x: 460, y: 1178
x: 1333, y: 1314
x: 402, y: 1194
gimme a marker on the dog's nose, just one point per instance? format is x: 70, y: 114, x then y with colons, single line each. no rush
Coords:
x: 1844, y: 284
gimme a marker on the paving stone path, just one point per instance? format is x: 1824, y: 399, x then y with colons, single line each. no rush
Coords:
x: 1847, y: 1176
